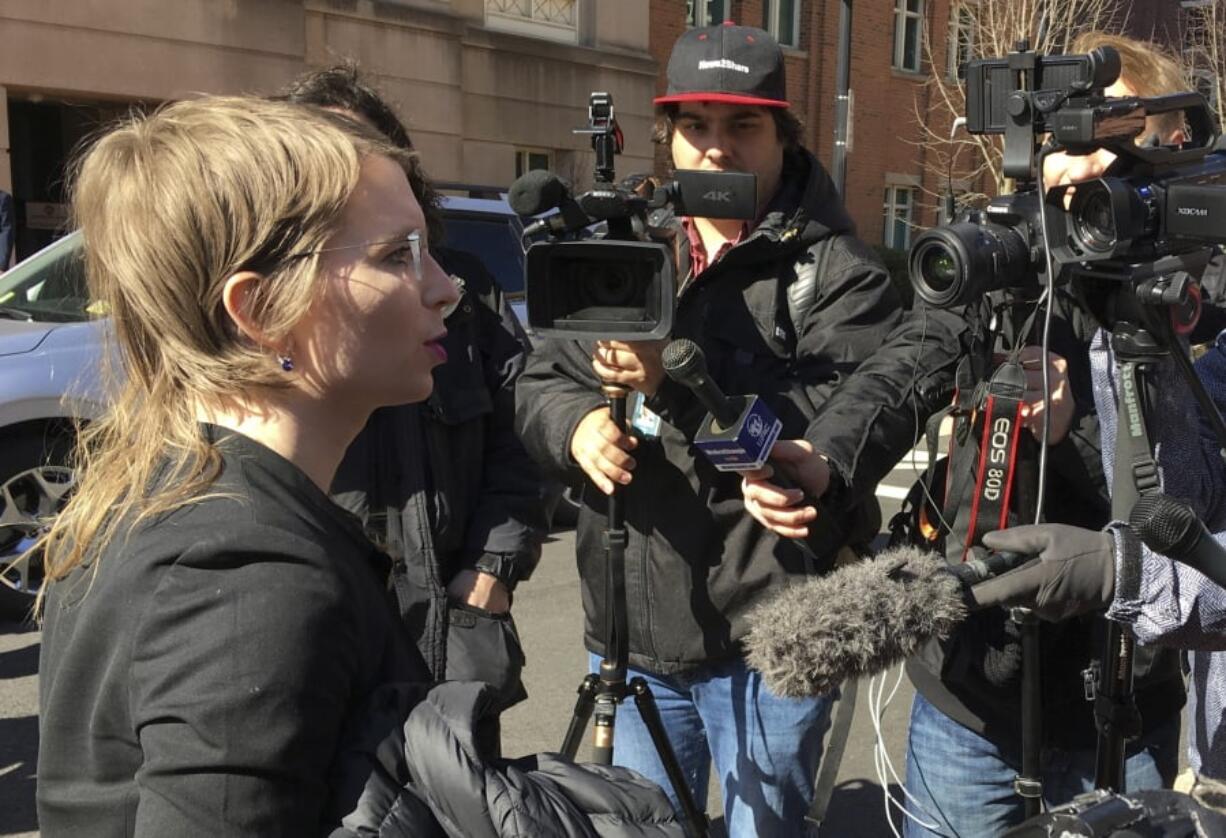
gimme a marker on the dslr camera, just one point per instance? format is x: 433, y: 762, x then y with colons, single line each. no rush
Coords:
x: 603, y: 272
x: 1148, y: 221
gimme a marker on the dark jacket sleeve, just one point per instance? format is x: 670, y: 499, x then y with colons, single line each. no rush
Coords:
x: 242, y: 673
x: 854, y: 308
x: 509, y: 518
x: 557, y: 389
x: 875, y: 416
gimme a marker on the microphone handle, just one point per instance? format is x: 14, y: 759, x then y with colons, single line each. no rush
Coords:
x: 1205, y: 555
x: 974, y: 571
x: 825, y: 536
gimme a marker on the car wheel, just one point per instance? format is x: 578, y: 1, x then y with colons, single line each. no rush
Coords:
x: 34, y: 486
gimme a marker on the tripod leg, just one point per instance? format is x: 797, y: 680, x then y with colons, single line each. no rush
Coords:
x: 603, y: 725
x: 1029, y: 783
x: 581, y: 715
x: 695, y: 821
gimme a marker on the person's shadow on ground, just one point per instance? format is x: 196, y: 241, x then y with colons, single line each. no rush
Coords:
x: 18, y: 744
x: 857, y: 810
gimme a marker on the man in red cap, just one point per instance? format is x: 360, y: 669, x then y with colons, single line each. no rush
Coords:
x: 784, y: 305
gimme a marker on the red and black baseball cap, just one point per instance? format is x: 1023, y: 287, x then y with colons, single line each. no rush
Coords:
x: 740, y: 65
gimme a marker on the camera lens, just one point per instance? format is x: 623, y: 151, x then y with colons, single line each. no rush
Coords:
x: 616, y: 285
x: 939, y: 267
x: 1094, y: 219
x: 958, y: 263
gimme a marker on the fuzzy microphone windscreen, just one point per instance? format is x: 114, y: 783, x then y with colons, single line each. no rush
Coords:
x: 855, y: 622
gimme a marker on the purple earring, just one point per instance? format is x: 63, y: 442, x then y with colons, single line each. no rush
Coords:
x: 287, y: 363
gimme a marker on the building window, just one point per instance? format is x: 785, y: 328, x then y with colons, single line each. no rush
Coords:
x: 908, y: 32
x: 527, y: 159
x: 781, y: 18
x: 961, y: 37
x: 899, y: 204
x: 706, y: 12
x: 556, y: 20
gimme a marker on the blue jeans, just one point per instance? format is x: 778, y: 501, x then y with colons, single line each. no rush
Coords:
x: 766, y: 748
x: 964, y: 783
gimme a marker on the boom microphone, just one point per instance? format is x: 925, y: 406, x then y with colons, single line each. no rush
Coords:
x: 539, y: 191
x: 862, y: 619
x: 1170, y: 528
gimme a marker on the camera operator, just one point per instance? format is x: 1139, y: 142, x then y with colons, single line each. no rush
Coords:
x: 1169, y: 603
x: 695, y: 561
x: 445, y: 486
x: 965, y: 736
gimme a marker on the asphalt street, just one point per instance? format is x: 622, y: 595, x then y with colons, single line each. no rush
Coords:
x: 547, y: 611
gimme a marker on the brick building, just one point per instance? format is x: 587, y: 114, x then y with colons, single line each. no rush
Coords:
x: 488, y: 87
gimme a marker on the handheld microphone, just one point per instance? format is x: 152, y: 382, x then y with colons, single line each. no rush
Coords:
x: 685, y: 363
x: 539, y: 191
x: 739, y: 435
x: 863, y: 618
x: 1170, y: 527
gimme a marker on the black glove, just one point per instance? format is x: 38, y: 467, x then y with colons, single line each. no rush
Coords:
x: 1074, y: 572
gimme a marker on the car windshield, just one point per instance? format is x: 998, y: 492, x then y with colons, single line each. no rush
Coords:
x: 494, y: 239
x: 49, y: 286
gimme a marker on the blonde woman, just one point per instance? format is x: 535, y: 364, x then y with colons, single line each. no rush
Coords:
x: 220, y: 654
x: 214, y: 622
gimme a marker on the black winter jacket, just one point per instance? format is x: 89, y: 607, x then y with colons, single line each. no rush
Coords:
x: 446, y: 484
x: 196, y: 679
x: 415, y: 770
x: 696, y: 561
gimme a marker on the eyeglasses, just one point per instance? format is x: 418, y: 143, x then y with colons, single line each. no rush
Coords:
x: 412, y: 240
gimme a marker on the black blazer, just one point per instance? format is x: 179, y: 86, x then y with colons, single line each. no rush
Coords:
x: 197, y: 679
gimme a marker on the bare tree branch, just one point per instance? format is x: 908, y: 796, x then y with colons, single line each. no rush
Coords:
x: 1206, y: 50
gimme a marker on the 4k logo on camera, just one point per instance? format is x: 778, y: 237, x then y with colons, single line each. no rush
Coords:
x: 718, y: 196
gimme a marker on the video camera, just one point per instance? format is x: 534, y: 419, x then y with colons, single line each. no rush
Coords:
x: 617, y: 283
x: 1155, y: 212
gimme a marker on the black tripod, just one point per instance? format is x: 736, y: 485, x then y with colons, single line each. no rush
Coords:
x: 600, y: 693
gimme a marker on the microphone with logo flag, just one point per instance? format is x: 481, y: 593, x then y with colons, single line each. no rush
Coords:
x: 738, y: 435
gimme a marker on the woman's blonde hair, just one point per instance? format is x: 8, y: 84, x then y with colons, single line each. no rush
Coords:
x: 170, y: 206
x: 1145, y: 67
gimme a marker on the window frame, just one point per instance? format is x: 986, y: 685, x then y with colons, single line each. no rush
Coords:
x: 891, y: 214
x: 957, y: 26
x: 771, y: 12
x: 902, y: 16
x: 696, y: 8
x: 531, y: 26
x: 523, y: 157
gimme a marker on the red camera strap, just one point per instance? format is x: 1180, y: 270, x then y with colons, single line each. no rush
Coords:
x: 999, y: 426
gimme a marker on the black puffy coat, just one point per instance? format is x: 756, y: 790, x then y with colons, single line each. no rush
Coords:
x: 414, y: 770
x: 786, y: 314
